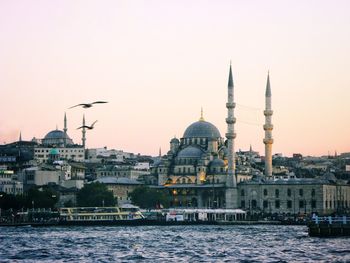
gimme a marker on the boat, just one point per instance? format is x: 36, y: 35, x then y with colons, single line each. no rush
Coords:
x: 123, y: 215
x: 329, y: 226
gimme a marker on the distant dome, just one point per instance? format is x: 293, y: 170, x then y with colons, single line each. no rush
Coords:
x: 56, y: 134
x: 190, y: 152
x: 58, y: 138
x: 202, y: 129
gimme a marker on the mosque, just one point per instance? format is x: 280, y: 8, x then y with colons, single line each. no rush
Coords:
x: 200, y: 171
x: 58, y: 145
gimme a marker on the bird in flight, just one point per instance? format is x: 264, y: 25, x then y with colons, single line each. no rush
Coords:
x: 88, y: 105
x: 87, y: 127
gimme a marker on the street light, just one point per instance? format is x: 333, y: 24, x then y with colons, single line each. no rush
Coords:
x: 33, y: 204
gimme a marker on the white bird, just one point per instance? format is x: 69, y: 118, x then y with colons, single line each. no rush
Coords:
x: 88, y: 105
x: 88, y: 127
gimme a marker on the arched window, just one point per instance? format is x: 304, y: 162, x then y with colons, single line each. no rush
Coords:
x: 277, y: 193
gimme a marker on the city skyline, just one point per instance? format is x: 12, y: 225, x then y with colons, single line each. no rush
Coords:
x: 158, y: 63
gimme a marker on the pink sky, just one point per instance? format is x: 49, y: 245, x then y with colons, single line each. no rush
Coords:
x: 158, y: 62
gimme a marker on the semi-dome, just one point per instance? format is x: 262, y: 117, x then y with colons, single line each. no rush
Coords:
x: 217, y: 163
x: 190, y: 152
x: 202, y: 129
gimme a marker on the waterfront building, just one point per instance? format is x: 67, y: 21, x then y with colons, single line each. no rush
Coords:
x: 126, y: 171
x: 292, y: 196
x: 120, y: 187
x: 9, y: 183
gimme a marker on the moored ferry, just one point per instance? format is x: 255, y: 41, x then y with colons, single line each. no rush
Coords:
x: 124, y: 215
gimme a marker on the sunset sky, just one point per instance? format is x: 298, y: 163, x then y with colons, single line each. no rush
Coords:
x: 158, y: 62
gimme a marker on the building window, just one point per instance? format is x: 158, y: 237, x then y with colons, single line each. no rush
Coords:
x: 277, y: 203
x: 242, y: 192
x: 277, y: 193
x: 254, y: 203
x: 242, y: 204
x: 265, y: 192
x: 289, y: 192
x: 265, y: 204
x: 289, y: 204
x: 313, y: 203
x: 313, y: 192
x: 301, y: 192
x: 301, y: 204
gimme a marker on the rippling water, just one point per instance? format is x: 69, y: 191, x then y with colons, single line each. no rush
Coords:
x: 258, y: 243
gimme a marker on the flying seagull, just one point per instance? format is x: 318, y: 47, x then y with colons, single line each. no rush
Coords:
x: 88, y: 105
x: 88, y: 127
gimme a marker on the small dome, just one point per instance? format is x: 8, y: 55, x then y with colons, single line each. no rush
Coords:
x: 190, y: 152
x: 175, y: 140
x: 202, y: 129
x: 330, y: 177
x: 217, y: 163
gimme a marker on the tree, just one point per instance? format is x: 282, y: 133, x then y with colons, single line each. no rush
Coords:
x: 95, y: 194
x: 43, y: 197
x: 146, y: 197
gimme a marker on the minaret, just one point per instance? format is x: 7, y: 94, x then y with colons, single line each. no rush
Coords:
x: 268, y: 130
x: 201, y: 118
x: 83, y: 131
x: 65, y: 130
x: 20, y: 136
x: 231, y: 183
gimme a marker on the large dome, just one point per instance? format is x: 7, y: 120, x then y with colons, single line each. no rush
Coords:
x: 56, y: 134
x: 58, y: 138
x: 202, y: 129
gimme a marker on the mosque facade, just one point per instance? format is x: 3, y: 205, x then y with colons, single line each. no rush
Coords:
x: 200, y: 171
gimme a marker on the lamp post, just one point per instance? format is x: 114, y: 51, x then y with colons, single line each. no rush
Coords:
x: 33, y: 205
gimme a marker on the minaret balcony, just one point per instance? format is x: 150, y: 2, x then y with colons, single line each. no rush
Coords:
x: 268, y: 141
x: 231, y: 135
x: 230, y: 105
x: 268, y: 112
x: 268, y: 127
x: 231, y: 120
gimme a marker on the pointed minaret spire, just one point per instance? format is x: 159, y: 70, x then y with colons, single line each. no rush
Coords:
x: 160, y: 152
x: 231, y: 183
x: 268, y: 88
x: 83, y: 131
x: 230, y: 79
x: 201, y: 118
x: 268, y: 140
x: 65, y: 129
x: 20, y: 136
